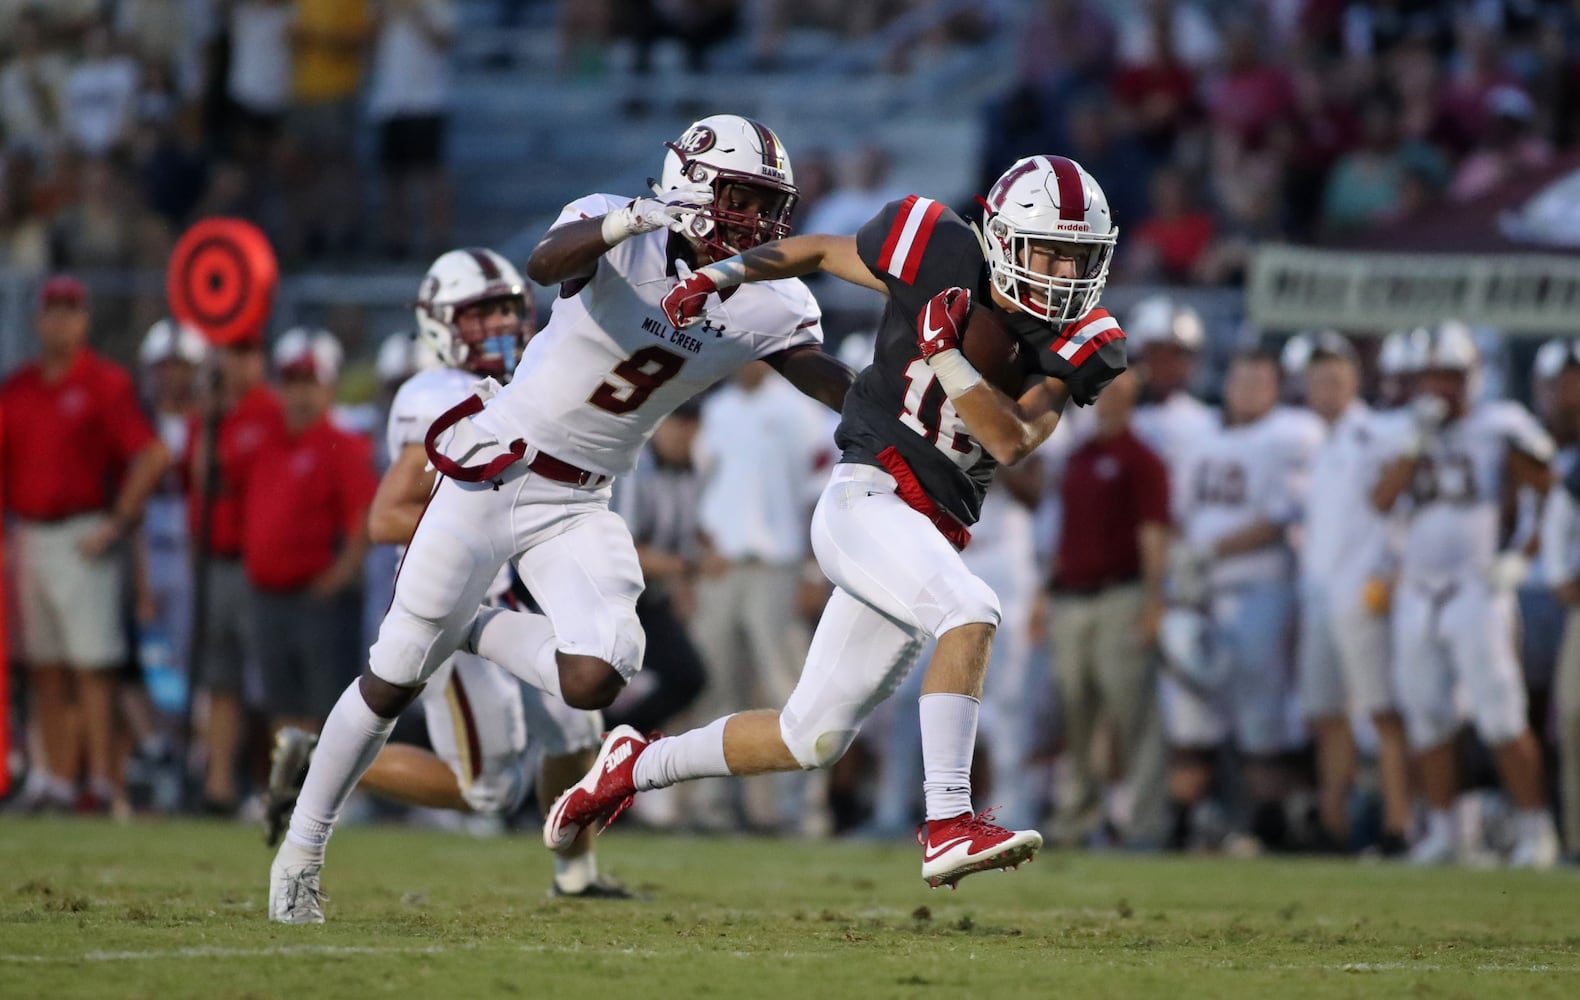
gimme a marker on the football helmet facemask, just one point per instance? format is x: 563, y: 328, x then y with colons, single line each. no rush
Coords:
x: 1042, y: 209
x: 754, y: 188
x: 487, y: 342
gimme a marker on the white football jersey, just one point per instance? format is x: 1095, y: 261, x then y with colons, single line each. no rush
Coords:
x: 420, y: 401
x: 1346, y: 538
x: 1454, y: 499
x: 595, y: 381
x: 1240, y: 475
x: 1173, y: 428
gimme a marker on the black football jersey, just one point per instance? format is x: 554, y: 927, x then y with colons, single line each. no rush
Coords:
x: 919, y: 247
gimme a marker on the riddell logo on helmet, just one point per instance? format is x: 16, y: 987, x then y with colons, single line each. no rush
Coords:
x: 1073, y: 227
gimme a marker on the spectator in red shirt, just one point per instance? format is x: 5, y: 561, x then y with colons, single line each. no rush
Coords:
x: 251, y: 419
x: 1108, y: 600
x: 1171, y: 243
x: 80, y: 461
x: 304, y: 536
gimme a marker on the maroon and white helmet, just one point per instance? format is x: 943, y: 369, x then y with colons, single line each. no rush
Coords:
x: 1044, y: 199
x: 461, y: 278
x: 726, y: 150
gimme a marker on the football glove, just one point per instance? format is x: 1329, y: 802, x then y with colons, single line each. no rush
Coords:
x: 687, y: 298
x: 670, y: 209
x: 942, y: 322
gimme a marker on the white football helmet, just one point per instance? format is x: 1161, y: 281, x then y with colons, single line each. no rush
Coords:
x: 1048, y: 199
x: 1449, y: 346
x: 1553, y: 357
x: 724, y: 151
x: 463, y: 278
x: 171, y: 340
x: 1158, y: 319
x: 1400, y: 354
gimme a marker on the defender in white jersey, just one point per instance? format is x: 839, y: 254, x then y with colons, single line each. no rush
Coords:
x: 1454, y: 616
x: 474, y: 316
x: 526, y: 471
x: 1244, y: 486
x: 1342, y: 662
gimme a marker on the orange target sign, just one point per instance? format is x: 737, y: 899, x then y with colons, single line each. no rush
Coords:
x: 221, y: 279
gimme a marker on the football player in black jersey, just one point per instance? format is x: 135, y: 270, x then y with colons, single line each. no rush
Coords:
x: 921, y: 434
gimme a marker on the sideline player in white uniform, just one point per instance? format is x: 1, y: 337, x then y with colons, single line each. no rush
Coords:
x: 1454, y: 615
x: 1342, y: 661
x: 1242, y: 488
x: 921, y: 436
x: 474, y: 315
x: 527, y: 472
x: 1168, y: 337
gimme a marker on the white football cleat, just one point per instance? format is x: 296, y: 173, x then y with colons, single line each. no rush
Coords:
x: 965, y: 844
x: 1537, y: 843
x: 294, y: 895
x: 1439, y: 847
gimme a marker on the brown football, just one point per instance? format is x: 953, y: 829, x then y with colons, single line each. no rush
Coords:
x: 994, y: 351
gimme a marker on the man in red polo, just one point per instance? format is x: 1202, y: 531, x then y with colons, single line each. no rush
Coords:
x: 251, y: 419
x: 1108, y: 599
x: 80, y: 460
x: 304, y: 537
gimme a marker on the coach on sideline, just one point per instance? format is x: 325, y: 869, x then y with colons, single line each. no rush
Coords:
x: 80, y: 460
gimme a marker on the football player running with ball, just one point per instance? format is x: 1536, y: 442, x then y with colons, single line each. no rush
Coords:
x: 922, y: 432
x: 526, y: 472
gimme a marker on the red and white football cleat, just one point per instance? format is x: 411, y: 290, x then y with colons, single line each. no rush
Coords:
x: 603, y: 793
x: 965, y: 844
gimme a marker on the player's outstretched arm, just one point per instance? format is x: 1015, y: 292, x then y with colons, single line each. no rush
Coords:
x: 821, y: 376
x: 401, y: 496
x: 571, y: 250
x: 792, y: 257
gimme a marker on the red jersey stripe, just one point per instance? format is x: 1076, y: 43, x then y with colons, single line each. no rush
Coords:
x: 913, y: 257
x: 890, y: 242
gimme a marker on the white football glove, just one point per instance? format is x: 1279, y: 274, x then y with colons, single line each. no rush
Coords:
x: 1508, y: 570
x: 670, y: 209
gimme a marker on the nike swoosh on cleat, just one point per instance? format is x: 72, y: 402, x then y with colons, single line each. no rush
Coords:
x: 929, y: 853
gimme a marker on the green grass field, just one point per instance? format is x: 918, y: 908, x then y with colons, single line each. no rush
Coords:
x: 92, y: 909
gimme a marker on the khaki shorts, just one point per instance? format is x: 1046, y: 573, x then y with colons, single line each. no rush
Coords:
x: 66, y: 607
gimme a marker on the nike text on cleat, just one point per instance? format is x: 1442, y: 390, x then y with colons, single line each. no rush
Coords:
x: 966, y: 844
x: 602, y: 794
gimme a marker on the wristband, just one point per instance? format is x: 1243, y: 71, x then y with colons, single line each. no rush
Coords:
x: 954, y: 372
x: 726, y: 273
x: 616, y: 228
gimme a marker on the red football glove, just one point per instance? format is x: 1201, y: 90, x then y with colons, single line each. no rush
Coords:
x: 686, y: 300
x: 943, y: 321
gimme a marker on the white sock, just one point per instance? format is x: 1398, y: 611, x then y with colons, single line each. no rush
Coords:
x: 698, y: 753
x: 352, y: 736
x: 949, y: 737
x: 575, y: 874
x: 521, y: 642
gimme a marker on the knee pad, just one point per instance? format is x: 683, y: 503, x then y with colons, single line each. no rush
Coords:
x: 971, y: 602
x: 404, y: 652
x: 498, y: 790
x: 812, y: 746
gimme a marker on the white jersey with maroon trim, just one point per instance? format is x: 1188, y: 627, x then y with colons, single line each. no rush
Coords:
x: 918, y: 247
x: 1452, y: 520
x: 420, y: 401
x: 596, y: 380
x: 1238, y: 476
